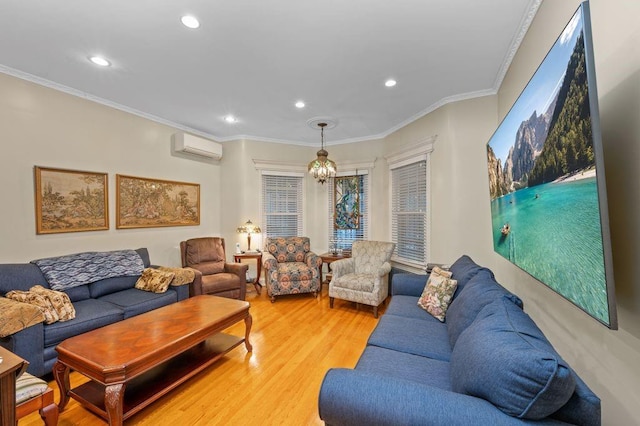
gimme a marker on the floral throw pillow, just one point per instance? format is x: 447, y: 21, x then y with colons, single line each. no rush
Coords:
x: 437, y: 294
x: 154, y: 280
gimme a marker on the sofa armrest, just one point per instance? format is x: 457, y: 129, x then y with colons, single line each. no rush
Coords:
x: 343, y: 267
x: 269, y: 261
x: 16, y: 316
x: 352, y: 397
x: 313, y: 260
x: 408, y: 284
x: 384, y: 269
x: 239, y: 269
x: 195, y: 288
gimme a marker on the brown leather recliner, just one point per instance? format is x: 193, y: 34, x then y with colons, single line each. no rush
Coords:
x: 213, y: 274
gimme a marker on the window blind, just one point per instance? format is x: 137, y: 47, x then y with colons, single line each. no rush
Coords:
x: 409, y: 211
x: 282, y: 205
x: 345, y: 237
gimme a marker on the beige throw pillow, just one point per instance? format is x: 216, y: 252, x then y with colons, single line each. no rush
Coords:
x: 437, y: 293
x: 154, y: 280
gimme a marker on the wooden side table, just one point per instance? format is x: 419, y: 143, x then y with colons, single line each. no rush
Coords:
x: 11, y: 367
x: 328, y: 258
x: 237, y: 257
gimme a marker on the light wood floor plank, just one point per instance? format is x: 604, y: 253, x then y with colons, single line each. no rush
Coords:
x: 295, y: 341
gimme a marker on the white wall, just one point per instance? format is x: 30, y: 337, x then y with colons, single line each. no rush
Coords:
x: 48, y: 128
x: 241, y: 184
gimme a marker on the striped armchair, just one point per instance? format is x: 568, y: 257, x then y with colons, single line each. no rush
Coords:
x: 290, y: 267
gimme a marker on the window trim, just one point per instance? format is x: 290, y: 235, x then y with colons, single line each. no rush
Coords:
x: 261, y: 197
x: 415, y: 153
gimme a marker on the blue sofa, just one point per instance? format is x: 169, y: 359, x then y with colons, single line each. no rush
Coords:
x: 487, y: 364
x: 96, y: 304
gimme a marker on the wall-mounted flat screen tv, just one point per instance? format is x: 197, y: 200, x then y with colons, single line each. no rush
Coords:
x: 546, y: 178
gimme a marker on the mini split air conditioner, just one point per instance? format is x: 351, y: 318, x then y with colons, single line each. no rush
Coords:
x: 183, y: 142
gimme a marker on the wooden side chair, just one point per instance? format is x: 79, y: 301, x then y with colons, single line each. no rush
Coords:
x: 34, y: 394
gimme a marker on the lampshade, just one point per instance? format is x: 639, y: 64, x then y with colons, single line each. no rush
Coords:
x: 249, y: 228
x: 322, y: 168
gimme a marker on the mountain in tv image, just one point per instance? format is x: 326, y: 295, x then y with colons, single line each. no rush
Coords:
x: 542, y: 180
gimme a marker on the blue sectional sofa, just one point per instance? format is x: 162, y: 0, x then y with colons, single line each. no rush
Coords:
x: 96, y: 304
x: 486, y: 364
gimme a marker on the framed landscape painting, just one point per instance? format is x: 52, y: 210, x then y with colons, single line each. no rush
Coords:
x: 148, y: 203
x: 70, y: 201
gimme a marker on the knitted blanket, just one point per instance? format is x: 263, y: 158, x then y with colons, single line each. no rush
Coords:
x: 65, y: 272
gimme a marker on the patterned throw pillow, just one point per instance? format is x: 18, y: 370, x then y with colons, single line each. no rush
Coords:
x: 59, y: 300
x: 43, y: 303
x: 154, y: 280
x: 439, y: 271
x: 437, y: 294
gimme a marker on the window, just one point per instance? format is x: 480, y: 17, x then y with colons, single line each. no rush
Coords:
x: 282, y: 205
x: 409, y: 212
x: 345, y: 237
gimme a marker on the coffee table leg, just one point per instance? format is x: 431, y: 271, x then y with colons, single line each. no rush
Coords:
x: 113, y: 401
x: 61, y: 374
x: 248, y: 321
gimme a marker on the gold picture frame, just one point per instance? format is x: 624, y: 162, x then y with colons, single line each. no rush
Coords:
x: 347, y: 198
x: 149, y: 203
x: 70, y: 200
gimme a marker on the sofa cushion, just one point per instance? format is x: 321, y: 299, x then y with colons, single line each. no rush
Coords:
x: 78, y: 293
x: 135, y: 302
x: 154, y: 280
x: 424, y: 338
x: 463, y: 270
x: 111, y: 285
x: 389, y: 363
x: 479, y: 291
x: 504, y: 358
x: 407, y: 306
x: 437, y: 294
x: 205, y: 254
x: 90, y: 314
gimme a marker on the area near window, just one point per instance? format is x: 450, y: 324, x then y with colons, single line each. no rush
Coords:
x: 282, y: 204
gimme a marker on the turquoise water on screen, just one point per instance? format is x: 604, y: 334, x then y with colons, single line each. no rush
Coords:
x: 556, y: 237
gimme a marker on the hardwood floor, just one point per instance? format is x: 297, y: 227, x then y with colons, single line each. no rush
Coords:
x: 295, y: 341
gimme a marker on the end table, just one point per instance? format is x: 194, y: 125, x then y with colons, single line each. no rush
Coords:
x: 237, y: 257
x: 328, y: 258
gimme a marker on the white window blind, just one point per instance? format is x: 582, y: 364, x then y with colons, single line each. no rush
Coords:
x: 409, y: 211
x: 345, y: 237
x: 282, y: 205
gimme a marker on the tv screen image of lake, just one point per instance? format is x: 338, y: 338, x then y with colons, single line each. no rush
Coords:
x: 555, y: 235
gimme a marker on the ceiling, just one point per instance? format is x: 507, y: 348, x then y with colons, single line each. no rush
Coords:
x: 254, y: 59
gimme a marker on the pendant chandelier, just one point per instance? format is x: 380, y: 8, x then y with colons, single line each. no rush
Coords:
x: 322, y: 168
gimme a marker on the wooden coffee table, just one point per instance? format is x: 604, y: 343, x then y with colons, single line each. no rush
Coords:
x: 134, y: 362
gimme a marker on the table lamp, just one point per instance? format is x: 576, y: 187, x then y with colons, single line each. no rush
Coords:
x: 250, y: 228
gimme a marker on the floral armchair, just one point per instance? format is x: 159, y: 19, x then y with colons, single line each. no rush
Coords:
x: 290, y: 267
x: 363, y: 278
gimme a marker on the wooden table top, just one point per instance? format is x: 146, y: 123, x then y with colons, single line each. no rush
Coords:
x: 123, y: 350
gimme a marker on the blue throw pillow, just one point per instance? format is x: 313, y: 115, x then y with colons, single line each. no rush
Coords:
x: 504, y: 358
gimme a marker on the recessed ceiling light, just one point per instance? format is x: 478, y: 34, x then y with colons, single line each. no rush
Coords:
x: 390, y: 83
x: 99, y: 60
x: 190, y: 21
x: 299, y: 104
x: 230, y: 119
